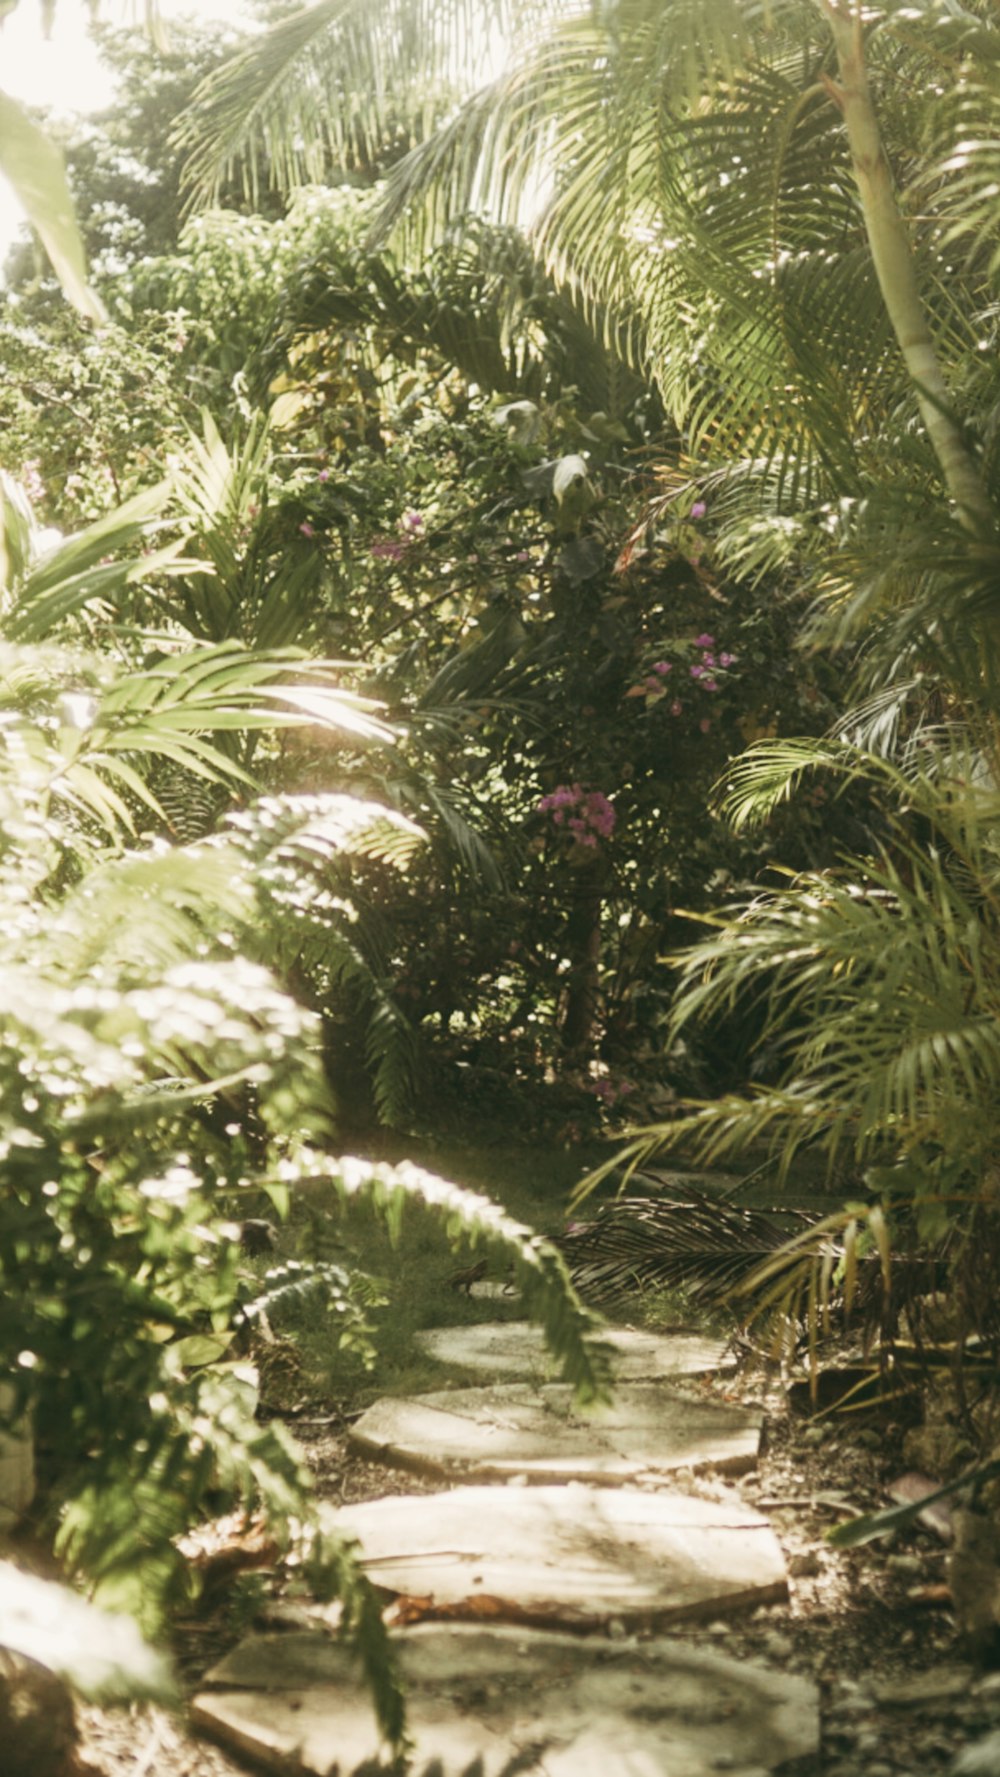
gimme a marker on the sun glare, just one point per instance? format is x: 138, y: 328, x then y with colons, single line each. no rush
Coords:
x: 64, y: 72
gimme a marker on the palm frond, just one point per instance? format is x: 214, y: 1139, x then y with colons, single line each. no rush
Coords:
x: 324, y: 88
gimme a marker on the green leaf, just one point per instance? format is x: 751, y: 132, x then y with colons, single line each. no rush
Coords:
x: 890, y: 1518
x: 102, y: 1656
x: 34, y: 166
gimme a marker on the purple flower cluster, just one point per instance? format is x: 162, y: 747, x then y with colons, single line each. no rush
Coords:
x: 587, y: 815
x: 609, y: 1091
x: 702, y: 671
x: 394, y: 548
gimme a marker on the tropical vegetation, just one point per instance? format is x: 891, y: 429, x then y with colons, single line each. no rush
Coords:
x: 532, y: 502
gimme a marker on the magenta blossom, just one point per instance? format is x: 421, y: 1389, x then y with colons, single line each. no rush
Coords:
x: 662, y: 666
x: 324, y: 475
x: 307, y: 529
x: 413, y: 521
x: 727, y: 660
x: 704, y: 641
x: 698, y: 509
x: 709, y: 684
x: 594, y: 815
x: 697, y: 671
x: 387, y: 549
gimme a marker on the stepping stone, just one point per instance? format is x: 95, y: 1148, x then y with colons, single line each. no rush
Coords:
x: 567, y: 1557
x: 516, y: 1347
x: 517, y: 1428
x: 488, y: 1289
x: 295, y: 1702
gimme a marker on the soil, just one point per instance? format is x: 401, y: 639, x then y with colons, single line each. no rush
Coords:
x: 872, y: 1625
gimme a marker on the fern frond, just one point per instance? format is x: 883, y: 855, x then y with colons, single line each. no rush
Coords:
x: 571, y: 1330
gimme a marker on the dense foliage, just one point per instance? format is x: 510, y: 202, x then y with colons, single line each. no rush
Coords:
x: 420, y: 553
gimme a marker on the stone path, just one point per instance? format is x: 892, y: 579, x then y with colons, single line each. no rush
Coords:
x: 516, y: 1348
x: 477, y: 1578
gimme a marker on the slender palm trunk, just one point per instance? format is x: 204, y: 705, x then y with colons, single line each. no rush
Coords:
x: 895, y: 268
x: 583, y: 945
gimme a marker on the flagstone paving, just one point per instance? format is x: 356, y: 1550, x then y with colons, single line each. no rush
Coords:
x: 568, y: 1706
x: 482, y: 1581
x: 568, y: 1557
x: 517, y: 1348
x: 518, y: 1428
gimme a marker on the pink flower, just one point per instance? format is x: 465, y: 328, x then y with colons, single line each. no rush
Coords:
x: 307, y: 529
x: 662, y: 666
x: 708, y: 659
x: 727, y: 660
x: 698, y: 509
x: 709, y: 684
x: 413, y: 521
x: 387, y: 549
x: 704, y: 641
x: 599, y: 814
x: 696, y: 671
x: 324, y: 475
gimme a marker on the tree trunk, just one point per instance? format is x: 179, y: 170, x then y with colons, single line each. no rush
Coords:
x: 895, y: 268
x: 583, y: 945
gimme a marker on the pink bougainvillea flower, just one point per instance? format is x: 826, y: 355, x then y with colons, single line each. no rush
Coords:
x: 698, y: 509
x: 709, y: 684
x: 324, y: 475
x: 704, y: 641
x: 414, y: 521
x: 662, y: 667
x: 307, y: 529
x: 708, y: 659
x: 697, y: 671
x: 600, y: 814
x: 727, y: 660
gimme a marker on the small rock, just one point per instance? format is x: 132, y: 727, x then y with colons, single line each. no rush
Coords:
x: 37, y: 1721
x: 925, y: 1689
x: 777, y: 1645
x: 867, y: 1743
x: 815, y: 1435
x: 868, y: 1438
x: 860, y: 1704
x: 806, y: 1564
x: 907, y: 1566
x: 981, y: 1759
x: 720, y: 1628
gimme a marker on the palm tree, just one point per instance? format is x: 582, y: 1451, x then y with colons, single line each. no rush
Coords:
x: 752, y: 201
x: 786, y: 216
